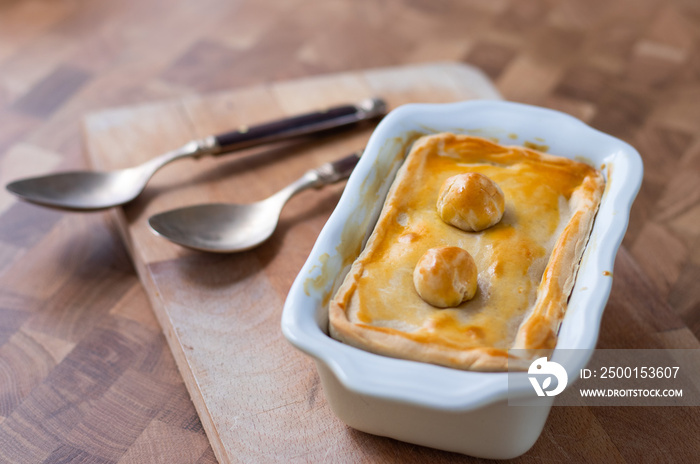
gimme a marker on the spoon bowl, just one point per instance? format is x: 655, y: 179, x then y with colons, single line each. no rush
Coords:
x: 219, y: 227
x: 82, y: 190
x: 228, y: 228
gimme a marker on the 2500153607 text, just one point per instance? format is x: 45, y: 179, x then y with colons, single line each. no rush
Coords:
x: 643, y: 372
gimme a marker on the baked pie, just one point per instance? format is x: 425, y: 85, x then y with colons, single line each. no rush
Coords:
x: 520, y: 217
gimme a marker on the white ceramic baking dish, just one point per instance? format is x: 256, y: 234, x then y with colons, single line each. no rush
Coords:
x: 465, y: 412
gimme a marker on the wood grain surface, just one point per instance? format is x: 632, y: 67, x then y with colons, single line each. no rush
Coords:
x: 220, y: 314
x: 85, y: 371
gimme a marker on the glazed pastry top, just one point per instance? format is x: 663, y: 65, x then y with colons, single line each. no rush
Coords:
x: 549, y: 205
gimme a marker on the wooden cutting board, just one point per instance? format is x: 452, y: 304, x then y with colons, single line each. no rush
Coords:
x: 257, y: 397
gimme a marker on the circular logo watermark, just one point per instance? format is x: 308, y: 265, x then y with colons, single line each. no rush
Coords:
x: 546, y: 370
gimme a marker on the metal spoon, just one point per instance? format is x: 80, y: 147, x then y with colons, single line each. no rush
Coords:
x: 227, y: 228
x: 87, y: 190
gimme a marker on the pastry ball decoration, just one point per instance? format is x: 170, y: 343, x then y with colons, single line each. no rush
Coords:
x: 471, y: 202
x: 445, y: 276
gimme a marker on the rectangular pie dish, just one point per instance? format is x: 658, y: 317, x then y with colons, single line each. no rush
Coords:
x: 427, y: 404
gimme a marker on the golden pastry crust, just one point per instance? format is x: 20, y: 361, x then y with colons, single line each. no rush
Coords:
x: 526, y: 263
x: 470, y: 201
x: 445, y: 276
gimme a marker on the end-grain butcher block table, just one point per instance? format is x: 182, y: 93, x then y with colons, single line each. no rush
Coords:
x: 118, y: 346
